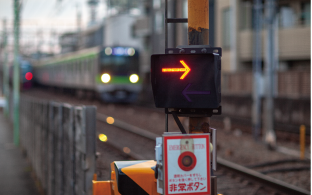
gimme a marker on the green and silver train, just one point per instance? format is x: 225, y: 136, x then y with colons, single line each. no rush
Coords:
x: 110, y: 72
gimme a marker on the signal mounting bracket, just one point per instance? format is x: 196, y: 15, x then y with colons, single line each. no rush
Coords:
x: 194, y: 49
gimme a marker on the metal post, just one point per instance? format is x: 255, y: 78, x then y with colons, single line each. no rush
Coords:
x: 166, y: 24
x: 198, y: 34
x: 5, y: 71
x: 269, y: 136
x: 93, y: 5
x: 233, y: 35
x: 16, y: 82
x: 302, y: 141
x: 78, y: 28
x: 256, y: 96
x: 39, y: 43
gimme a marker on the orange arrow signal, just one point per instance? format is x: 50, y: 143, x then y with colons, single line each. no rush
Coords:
x: 186, y: 69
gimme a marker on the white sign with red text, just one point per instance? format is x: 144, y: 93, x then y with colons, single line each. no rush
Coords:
x: 187, y: 164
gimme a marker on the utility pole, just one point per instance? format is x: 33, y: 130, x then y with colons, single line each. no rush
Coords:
x: 256, y: 62
x: 269, y: 135
x: 51, y: 42
x: 78, y: 18
x: 198, y: 34
x: 198, y: 22
x: 39, y: 43
x: 16, y: 79
x: 5, y: 70
x: 78, y: 15
x: 233, y: 35
x: 93, y: 5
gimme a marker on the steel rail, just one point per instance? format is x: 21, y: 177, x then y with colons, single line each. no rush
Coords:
x: 275, y: 183
x: 128, y: 127
x: 267, y: 180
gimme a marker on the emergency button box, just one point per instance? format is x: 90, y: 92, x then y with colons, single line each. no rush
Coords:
x: 186, y: 159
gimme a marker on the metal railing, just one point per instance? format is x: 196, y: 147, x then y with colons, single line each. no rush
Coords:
x: 59, y: 140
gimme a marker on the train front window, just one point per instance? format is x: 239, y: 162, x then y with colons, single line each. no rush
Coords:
x: 119, y: 64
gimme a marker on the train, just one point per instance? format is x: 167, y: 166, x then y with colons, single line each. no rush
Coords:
x: 110, y: 73
x: 26, y: 74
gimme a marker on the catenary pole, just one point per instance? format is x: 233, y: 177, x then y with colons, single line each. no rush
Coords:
x: 269, y: 134
x: 16, y: 82
x: 5, y: 70
x: 198, y: 34
x: 256, y: 68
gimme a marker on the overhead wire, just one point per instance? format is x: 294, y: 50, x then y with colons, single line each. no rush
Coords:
x: 60, y: 8
x: 56, y: 7
x: 35, y: 10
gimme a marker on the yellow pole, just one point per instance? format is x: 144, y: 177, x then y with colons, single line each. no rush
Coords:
x: 302, y: 141
x: 198, y: 34
x: 198, y: 22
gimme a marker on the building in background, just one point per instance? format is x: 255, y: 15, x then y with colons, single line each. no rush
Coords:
x: 234, y: 20
x: 234, y: 30
x: 91, y: 37
x: 68, y: 42
x: 115, y: 30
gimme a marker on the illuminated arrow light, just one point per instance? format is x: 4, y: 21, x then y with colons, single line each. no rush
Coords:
x: 186, y: 69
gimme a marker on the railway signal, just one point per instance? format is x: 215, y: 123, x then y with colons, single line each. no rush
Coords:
x: 187, y: 80
x: 195, y: 94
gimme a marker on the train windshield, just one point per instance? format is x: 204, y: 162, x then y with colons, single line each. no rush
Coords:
x: 119, y: 60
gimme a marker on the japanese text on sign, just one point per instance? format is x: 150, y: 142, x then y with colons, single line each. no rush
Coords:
x: 190, y: 187
x: 179, y: 179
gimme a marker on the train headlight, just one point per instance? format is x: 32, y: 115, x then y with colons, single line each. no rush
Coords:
x: 134, y: 78
x: 105, y: 78
x: 131, y: 51
x: 108, y: 51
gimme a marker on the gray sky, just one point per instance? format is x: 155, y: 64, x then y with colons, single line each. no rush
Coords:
x: 44, y: 17
x: 49, y: 12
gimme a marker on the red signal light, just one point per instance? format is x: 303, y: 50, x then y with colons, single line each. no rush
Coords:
x: 186, y: 69
x: 28, y: 76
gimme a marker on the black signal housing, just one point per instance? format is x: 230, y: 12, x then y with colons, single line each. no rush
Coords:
x: 198, y: 92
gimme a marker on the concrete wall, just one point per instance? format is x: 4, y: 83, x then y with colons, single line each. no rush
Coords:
x: 289, y: 114
x: 293, y: 44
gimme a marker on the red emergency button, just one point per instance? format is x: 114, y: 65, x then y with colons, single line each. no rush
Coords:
x: 187, y: 161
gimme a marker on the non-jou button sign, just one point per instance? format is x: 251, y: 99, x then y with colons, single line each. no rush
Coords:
x: 187, y: 164
x: 186, y: 80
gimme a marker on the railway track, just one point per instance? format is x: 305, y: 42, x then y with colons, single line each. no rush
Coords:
x: 262, y: 183
x: 232, y: 145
